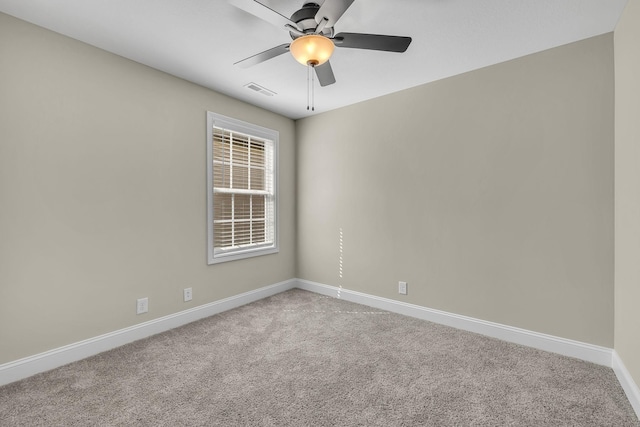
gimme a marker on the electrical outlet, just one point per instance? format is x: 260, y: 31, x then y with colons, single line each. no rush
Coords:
x: 142, y: 305
x: 188, y: 294
x: 402, y: 288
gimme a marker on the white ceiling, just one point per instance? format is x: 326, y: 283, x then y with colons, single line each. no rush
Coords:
x: 200, y: 40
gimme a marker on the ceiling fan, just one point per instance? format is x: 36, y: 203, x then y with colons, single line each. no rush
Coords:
x: 312, y: 31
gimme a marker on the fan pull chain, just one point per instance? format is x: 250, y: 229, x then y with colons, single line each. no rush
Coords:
x: 313, y: 86
x: 308, y: 85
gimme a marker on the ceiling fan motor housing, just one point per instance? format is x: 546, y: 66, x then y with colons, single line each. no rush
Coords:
x: 305, y: 18
x: 312, y: 30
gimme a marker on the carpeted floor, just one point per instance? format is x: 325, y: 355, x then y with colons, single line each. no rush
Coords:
x: 301, y: 359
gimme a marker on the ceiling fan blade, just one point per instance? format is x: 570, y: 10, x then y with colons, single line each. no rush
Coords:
x: 372, y: 41
x: 332, y: 10
x: 264, y: 12
x: 263, y: 56
x: 325, y: 74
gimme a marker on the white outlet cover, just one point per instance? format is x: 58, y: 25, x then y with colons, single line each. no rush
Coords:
x: 142, y: 305
x: 402, y: 288
x: 188, y: 294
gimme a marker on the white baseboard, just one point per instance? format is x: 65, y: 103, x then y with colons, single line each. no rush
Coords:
x: 626, y: 381
x: 566, y: 347
x: 588, y: 352
x: 23, y: 368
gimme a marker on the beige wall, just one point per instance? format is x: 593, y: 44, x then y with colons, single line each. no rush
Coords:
x: 103, y: 192
x: 490, y: 192
x: 627, y: 189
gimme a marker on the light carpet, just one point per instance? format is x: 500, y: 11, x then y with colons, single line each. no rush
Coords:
x: 301, y: 359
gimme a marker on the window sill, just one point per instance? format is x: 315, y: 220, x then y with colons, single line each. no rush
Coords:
x: 237, y: 255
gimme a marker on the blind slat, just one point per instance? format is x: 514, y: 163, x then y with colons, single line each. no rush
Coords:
x: 243, y: 190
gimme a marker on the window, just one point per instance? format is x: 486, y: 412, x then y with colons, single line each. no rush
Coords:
x: 241, y: 185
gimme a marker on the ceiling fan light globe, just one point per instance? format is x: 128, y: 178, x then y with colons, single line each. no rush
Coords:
x: 312, y: 49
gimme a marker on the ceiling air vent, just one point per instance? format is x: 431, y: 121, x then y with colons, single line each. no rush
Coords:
x: 257, y: 88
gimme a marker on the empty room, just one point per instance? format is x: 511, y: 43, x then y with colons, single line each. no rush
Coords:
x: 329, y: 213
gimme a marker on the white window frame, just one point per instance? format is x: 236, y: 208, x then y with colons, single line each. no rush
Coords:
x: 235, y: 125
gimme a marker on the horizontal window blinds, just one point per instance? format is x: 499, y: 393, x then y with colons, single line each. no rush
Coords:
x: 243, y: 191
